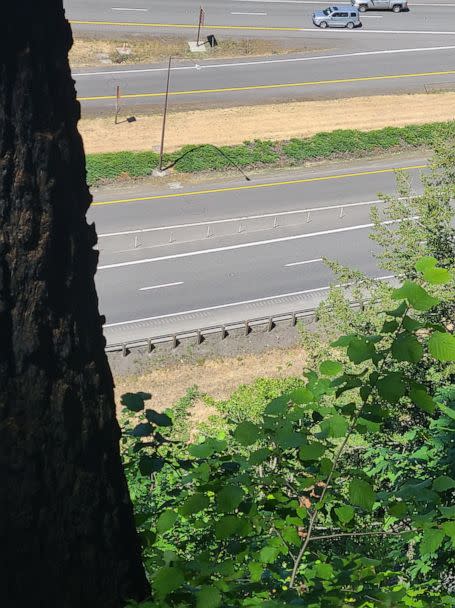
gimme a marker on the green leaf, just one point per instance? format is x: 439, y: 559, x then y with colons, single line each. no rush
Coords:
x: 343, y: 341
x: 166, y: 520
x: 246, y: 433
x: 335, y: 426
x: 398, y: 312
x: 227, y: 526
x: 420, y: 397
x: 345, y: 513
x: 425, y: 263
x: 360, y: 350
x: 135, y: 401
x: 194, y: 504
x: 416, y: 296
x: 301, y: 396
x: 399, y: 509
x: 277, y: 406
x: 167, y: 580
x: 389, y: 326
x: 391, y: 387
x: 312, y: 451
x: 431, y: 273
x: 229, y: 498
x: 201, y: 450
x: 442, y: 346
x: 324, y: 571
x: 410, y: 324
x: 361, y: 494
x: 330, y: 368
x: 157, y: 418
x: 208, y: 597
x: 449, y: 529
x: 406, y: 347
x: 259, y: 456
x: 256, y: 569
x: 268, y: 555
x: 443, y: 483
x: 288, y: 438
x: 431, y: 541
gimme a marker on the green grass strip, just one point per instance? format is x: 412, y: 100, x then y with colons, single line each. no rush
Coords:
x: 342, y: 143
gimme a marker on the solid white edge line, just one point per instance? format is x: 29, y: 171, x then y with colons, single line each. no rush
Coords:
x: 270, y: 61
x: 231, y: 304
x: 304, y: 262
x: 255, y: 14
x: 282, y: 239
x: 239, y: 246
x: 160, y: 286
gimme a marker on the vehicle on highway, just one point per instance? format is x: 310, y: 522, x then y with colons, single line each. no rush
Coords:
x: 381, y: 5
x: 344, y: 15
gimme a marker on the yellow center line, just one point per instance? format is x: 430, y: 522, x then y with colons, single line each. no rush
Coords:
x: 273, y: 86
x: 257, y: 186
x: 186, y: 25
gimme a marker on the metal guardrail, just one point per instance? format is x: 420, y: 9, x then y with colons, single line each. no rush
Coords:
x: 222, y: 330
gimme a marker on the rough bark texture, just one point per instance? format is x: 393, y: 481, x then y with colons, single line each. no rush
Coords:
x: 67, y: 536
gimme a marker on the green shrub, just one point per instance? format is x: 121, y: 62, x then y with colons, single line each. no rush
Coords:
x: 194, y: 159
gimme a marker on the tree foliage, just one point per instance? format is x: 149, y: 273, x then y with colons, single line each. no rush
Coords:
x: 330, y: 497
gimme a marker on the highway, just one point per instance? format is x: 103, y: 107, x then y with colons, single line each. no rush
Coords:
x: 251, y: 17
x: 175, y: 259
x: 267, y: 80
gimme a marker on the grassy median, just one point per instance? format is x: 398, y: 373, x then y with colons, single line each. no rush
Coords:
x: 340, y: 144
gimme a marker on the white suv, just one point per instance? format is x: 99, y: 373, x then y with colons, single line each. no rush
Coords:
x: 380, y: 5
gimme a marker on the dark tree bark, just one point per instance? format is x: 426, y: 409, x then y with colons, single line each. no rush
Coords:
x: 67, y: 536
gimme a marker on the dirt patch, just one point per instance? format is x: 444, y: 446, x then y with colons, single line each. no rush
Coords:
x: 217, y: 378
x: 95, y: 52
x: 276, y: 122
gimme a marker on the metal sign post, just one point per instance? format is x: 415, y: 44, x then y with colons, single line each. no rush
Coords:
x: 165, y: 114
x: 117, y: 104
x: 201, y: 24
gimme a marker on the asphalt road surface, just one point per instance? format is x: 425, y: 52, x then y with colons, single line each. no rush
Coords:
x: 264, y: 17
x: 267, y: 80
x: 177, y: 259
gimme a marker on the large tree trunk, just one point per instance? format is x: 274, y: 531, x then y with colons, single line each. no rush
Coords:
x: 67, y: 536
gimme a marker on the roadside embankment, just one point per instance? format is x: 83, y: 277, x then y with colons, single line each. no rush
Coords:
x: 340, y: 144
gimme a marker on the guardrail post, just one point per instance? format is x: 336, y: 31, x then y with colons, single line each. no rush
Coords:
x: 150, y: 345
x: 171, y: 237
x: 293, y: 320
x: 175, y: 341
x: 270, y: 324
x: 200, y: 337
x: 224, y: 333
x: 341, y: 212
x: 209, y: 233
x: 308, y: 217
x: 275, y: 222
x: 247, y: 328
x: 124, y: 350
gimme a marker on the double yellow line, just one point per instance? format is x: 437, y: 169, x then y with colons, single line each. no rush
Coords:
x: 273, y: 86
x: 257, y: 186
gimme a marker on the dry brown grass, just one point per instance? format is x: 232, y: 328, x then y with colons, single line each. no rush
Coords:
x: 276, y: 122
x: 217, y: 378
x: 94, y: 51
